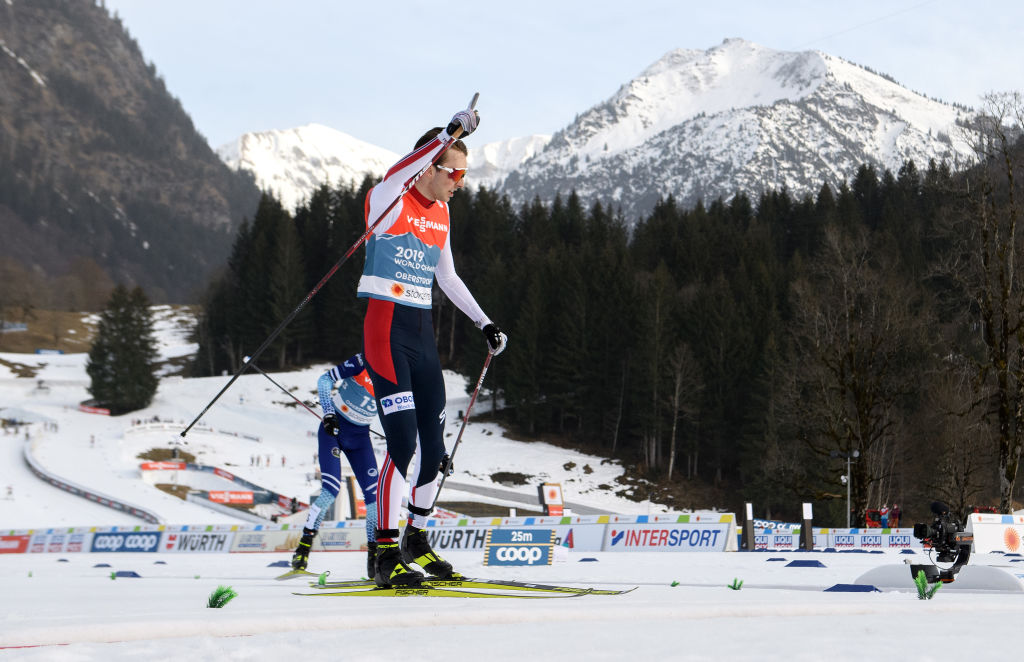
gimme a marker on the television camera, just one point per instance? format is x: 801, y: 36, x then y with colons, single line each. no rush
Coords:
x: 948, y: 540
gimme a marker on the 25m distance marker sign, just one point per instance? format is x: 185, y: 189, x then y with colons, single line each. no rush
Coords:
x: 519, y: 547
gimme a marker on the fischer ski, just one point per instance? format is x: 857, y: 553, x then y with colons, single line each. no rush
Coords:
x: 476, y: 583
x: 292, y: 574
x: 430, y: 591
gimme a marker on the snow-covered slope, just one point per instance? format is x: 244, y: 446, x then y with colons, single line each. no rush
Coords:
x: 695, y: 125
x: 739, y: 117
x: 292, y: 163
x: 100, y: 453
x: 490, y: 163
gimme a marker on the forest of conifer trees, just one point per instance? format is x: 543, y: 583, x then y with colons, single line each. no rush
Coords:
x: 742, y: 346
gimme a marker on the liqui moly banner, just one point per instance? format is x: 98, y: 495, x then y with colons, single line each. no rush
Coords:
x: 787, y: 539
x: 52, y: 542
x: 873, y: 539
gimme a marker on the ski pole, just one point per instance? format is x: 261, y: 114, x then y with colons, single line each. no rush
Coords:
x: 465, y: 419
x: 323, y: 281
x: 308, y: 408
x: 283, y: 389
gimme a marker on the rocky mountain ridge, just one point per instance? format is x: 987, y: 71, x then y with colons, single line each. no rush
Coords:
x: 99, y: 162
x: 699, y: 125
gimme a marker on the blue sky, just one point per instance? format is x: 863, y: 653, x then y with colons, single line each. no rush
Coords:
x: 383, y: 70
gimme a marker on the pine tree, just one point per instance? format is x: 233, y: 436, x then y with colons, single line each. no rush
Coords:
x: 121, y: 360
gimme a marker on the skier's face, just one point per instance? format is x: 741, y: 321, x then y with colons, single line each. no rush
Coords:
x: 444, y: 181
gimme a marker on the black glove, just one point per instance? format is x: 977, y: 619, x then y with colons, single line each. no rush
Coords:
x: 331, y: 425
x: 496, y: 340
x: 445, y: 460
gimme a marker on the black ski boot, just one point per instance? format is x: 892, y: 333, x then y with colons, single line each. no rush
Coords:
x: 416, y: 549
x: 390, y: 570
x: 371, y: 559
x: 300, y: 559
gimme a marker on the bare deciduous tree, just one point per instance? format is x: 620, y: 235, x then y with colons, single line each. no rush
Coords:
x: 686, y: 387
x: 992, y: 243
x: 857, y: 332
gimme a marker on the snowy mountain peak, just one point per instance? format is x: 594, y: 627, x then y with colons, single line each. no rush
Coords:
x: 292, y: 163
x: 489, y: 163
x: 694, y: 124
x: 738, y: 117
x: 685, y: 84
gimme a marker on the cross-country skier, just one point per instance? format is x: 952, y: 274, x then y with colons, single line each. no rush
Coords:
x: 406, y: 251
x: 345, y: 428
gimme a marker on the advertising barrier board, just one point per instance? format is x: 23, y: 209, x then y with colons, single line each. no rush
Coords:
x: 787, y: 539
x: 339, y: 537
x: 519, y: 547
x: 678, y: 537
x: 52, y: 542
x: 873, y: 539
x: 229, y: 496
x: 996, y: 533
x: 13, y: 544
x: 197, y: 541
x: 126, y: 541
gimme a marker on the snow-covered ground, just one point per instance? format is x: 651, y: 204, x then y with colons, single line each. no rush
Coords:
x: 101, y: 452
x: 67, y: 607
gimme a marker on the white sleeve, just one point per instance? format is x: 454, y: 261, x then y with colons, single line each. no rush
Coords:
x: 400, y: 177
x: 455, y: 289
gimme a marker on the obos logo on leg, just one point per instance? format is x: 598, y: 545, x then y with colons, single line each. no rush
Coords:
x: 397, y: 402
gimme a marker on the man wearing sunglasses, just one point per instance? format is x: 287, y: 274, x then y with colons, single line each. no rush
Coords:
x: 408, y: 249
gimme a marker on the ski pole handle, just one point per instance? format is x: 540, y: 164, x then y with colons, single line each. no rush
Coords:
x: 457, y: 130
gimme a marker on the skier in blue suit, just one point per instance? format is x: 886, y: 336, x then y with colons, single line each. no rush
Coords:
x: 345, y: 428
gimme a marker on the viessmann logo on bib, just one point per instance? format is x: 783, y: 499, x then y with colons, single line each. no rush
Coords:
x: 397, y: 402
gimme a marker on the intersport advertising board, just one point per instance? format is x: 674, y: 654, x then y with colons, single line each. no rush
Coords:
x: 667, y: 537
